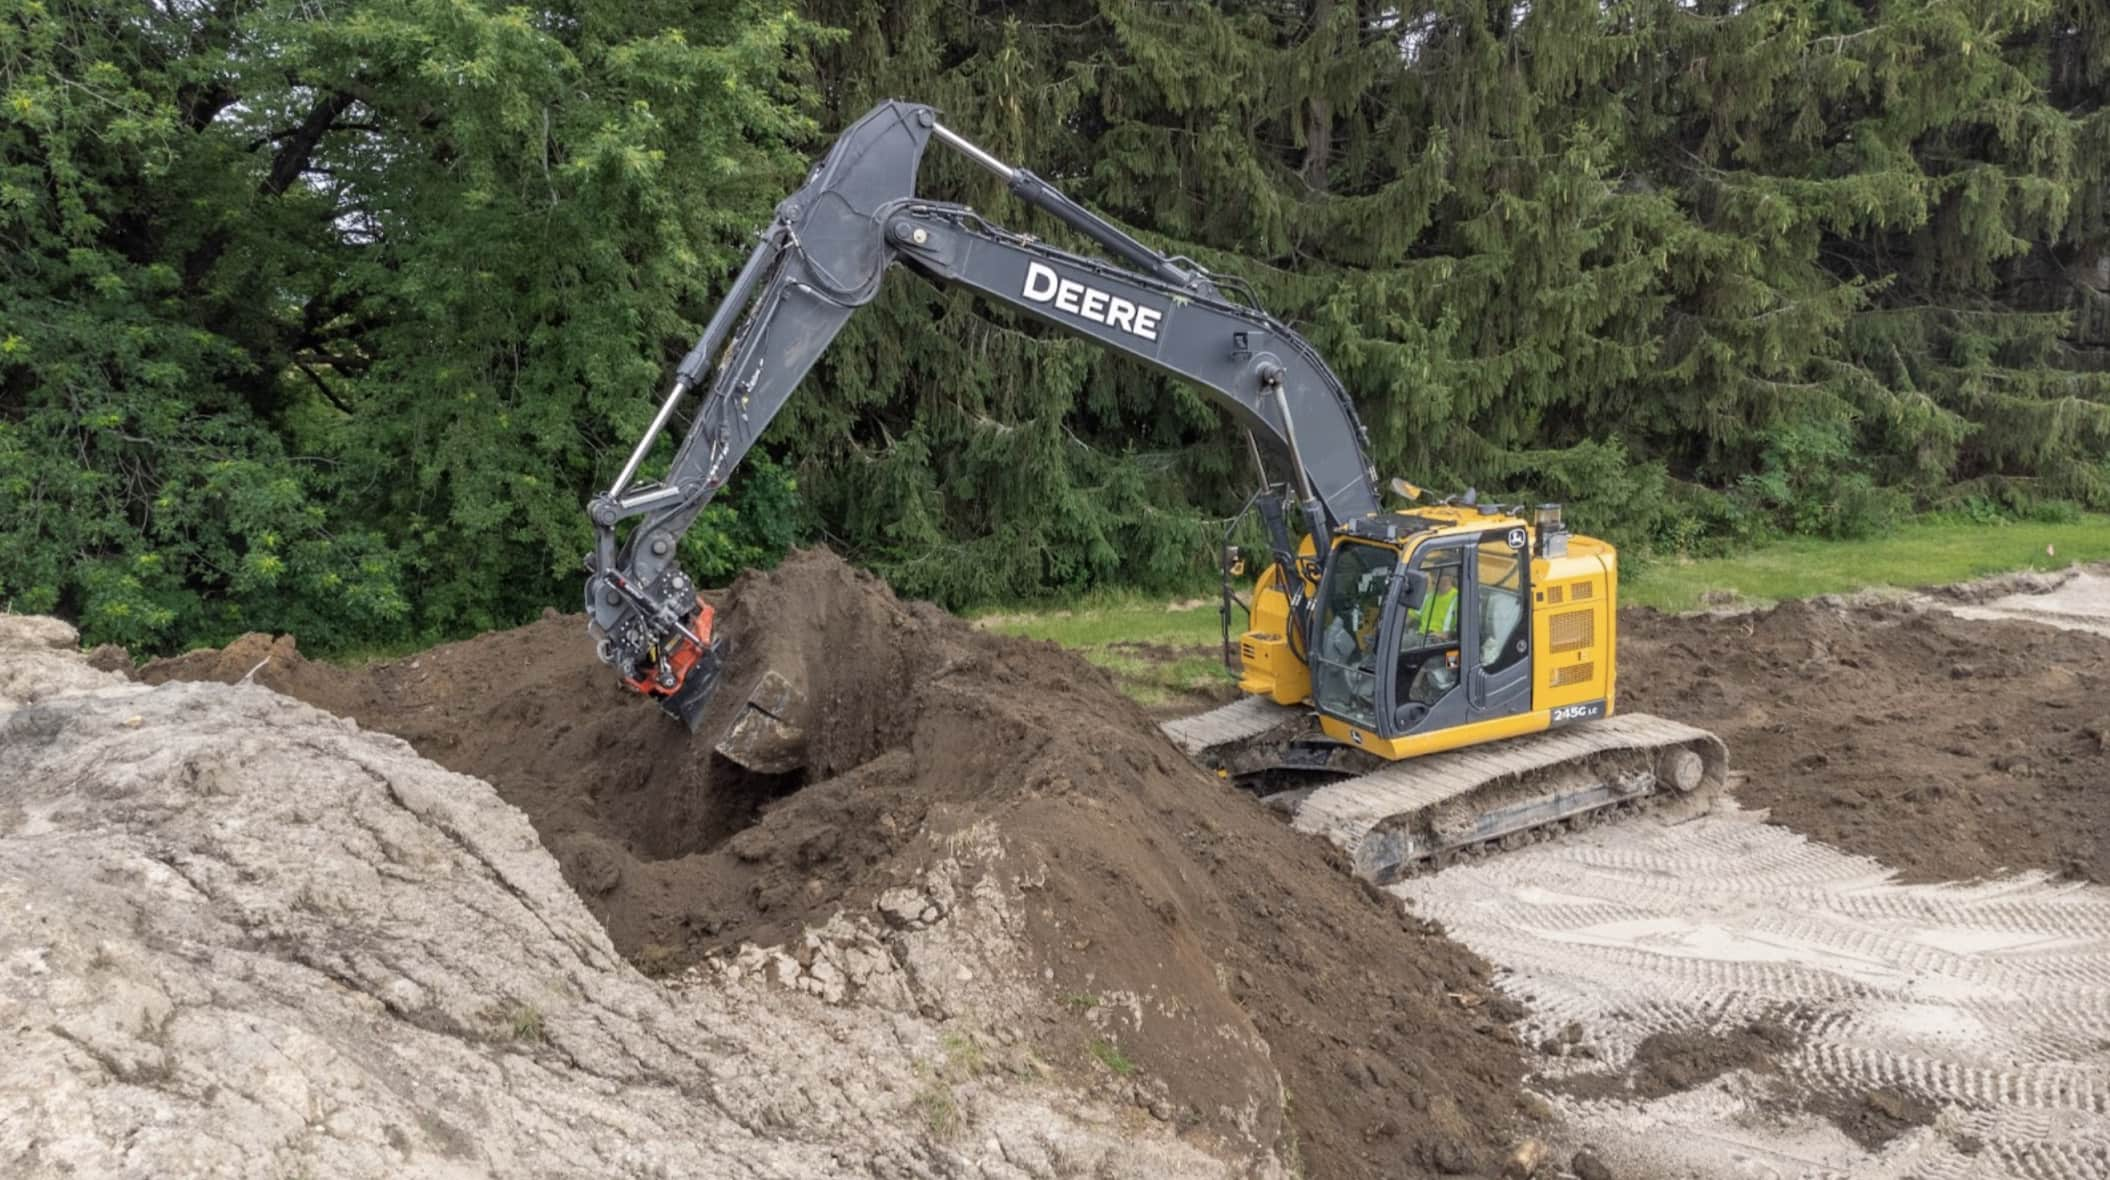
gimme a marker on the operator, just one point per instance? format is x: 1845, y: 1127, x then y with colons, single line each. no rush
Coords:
x: 1430, y: 628
x: 1437, y: 620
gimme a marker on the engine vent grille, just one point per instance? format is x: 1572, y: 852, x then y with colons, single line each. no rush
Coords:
x: 1573, y: 674
x: 1572, y: 630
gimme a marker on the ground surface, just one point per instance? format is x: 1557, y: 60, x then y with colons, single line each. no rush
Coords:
x: 1947, y: 748
x: 1187, y: 951
x: 240, y: 937
x: 1722, y: 997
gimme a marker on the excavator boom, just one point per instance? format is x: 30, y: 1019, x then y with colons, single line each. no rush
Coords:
x: 824, y: 256
x: 1402, y: 668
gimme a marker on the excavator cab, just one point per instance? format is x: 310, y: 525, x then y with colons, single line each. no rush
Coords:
x: 1442, y: 627
x: 1424, y: 635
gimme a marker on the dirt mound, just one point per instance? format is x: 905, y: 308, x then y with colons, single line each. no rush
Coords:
x: 1171, y: 921
x: 1946, y: 748
x: 226, y: 912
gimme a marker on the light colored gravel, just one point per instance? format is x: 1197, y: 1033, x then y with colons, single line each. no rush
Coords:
x: 1991, y: 1000
x: 2080, y: 602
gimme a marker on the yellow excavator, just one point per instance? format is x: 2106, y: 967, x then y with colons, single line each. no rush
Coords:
x: 1421, y: 681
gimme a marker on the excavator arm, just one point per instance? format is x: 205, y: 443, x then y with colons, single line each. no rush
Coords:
x: 824, y: 256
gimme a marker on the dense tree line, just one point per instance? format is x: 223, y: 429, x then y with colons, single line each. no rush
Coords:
x: 325, y: 315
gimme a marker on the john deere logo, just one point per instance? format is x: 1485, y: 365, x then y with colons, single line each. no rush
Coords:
x: 1043, y: 285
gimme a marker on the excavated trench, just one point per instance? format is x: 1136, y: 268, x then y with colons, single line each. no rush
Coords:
x: 1153, y: 886
x: 1943, y: 747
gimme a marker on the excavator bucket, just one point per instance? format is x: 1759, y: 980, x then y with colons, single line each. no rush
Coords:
x: 766, y: 737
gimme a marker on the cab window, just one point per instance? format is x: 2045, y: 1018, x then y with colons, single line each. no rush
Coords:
x: 1428, y: 643
x: 1344, y: 668
x: 1500, y: 591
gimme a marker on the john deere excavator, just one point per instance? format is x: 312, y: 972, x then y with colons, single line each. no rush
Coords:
x: 1421, y: 682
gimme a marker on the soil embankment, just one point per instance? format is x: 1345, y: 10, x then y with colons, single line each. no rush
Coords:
x: 1180, y: 935
x: 1946, y: 748
x: 240, y: 937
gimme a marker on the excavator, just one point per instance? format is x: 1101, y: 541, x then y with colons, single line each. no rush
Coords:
x: 1418, y: 682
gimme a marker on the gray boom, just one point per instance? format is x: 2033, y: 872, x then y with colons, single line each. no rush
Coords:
x: 825, y: 255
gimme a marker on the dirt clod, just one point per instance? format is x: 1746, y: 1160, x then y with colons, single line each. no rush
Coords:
x: 1875, y: 1118
x: 1673, y: 1062
x: 1175, y: 924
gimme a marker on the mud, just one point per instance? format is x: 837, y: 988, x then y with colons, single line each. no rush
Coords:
x: 1167, y: 917
x: 1671, y: 1062
x: 1946, y: 748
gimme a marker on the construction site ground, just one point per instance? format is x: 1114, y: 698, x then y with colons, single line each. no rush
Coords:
x: 997, y: 926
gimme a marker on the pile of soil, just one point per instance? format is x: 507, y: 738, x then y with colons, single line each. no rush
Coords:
x: 1945, y: 748
x: 1394, y: 1048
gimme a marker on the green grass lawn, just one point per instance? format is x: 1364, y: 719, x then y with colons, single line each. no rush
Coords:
x: 1106, y: 618
x: 1923, y: 553
x: 1118, y: 632
x: 1108, y: 629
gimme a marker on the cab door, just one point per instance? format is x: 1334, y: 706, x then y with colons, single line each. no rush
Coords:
x: 1426, y: 646
x: 1463, y: 653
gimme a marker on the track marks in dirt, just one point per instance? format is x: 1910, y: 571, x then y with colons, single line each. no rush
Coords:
x: 1979, y: 1011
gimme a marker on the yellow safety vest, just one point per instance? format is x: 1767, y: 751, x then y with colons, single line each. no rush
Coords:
x: 1439, y: 615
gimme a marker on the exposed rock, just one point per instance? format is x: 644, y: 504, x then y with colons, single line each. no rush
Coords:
x: 243, y: 937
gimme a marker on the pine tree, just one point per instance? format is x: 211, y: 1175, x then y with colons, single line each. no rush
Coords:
x: 325, y: 317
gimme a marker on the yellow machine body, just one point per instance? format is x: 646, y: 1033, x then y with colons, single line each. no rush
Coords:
x: 1570, y: 617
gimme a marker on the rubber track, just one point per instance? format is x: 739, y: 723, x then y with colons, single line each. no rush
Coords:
x: 1357, y: 814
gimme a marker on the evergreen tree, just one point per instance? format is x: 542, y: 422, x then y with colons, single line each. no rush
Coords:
x: 328, y: 317
x: 323, y: 317
x: 1702, y: 268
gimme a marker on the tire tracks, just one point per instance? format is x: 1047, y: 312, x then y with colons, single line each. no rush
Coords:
x: 1988, y: 999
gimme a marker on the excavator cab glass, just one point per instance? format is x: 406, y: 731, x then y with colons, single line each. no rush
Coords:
x: 1346, y: 652
x: 1427, y: 666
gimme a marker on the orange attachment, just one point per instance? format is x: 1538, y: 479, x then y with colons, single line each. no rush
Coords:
x: 681, y: 656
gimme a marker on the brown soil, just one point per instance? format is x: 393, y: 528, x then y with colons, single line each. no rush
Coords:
x: 1945, y: 748
x: 1393, y: 1045
x: 1673, y: 1062
x: 1875, y: 1118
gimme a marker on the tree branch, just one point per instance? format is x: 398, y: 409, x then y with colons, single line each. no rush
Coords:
x: 299, y: 146
x: 322, y: 387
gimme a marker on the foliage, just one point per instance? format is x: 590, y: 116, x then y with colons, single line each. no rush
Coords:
x: 323, y: 317
x: 327, y: 317
x: 1934, y: 551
